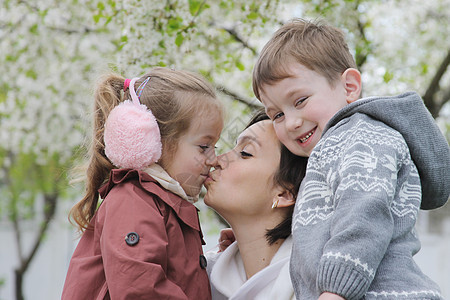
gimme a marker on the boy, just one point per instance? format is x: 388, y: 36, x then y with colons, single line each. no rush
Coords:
x: 373, y: 163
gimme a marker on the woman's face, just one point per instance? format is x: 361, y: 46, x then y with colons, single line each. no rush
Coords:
x: 242, y: 184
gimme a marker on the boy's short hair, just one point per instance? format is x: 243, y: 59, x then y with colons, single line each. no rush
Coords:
x: 318, y: 46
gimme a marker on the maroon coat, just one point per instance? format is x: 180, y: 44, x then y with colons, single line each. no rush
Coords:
x: 165, y: 263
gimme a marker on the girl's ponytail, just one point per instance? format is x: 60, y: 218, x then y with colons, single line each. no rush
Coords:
x: 108, y: 95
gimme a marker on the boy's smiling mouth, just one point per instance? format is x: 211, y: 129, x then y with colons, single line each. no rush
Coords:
x: 305, y: 137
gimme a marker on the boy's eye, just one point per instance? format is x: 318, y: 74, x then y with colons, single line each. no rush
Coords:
x: 277, y: 116
x: 300, y: 101
x: 245, y: 154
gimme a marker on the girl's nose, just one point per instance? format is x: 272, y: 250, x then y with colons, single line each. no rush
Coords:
x: 211, y: 159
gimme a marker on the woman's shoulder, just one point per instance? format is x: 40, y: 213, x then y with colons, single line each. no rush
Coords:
x: 224, y: 258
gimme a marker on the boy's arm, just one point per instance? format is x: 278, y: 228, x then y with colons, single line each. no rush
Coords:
x: 330, y: 296
x: 362, y: 225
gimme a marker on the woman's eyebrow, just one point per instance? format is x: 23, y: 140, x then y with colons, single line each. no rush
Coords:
x: 246, y: 138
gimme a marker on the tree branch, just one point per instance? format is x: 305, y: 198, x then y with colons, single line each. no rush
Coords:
x: 236, y: 97
x: 49, y: 212
x: 238, y: 38
x: 14, y: 216
x: 362, y: 55
x: 83, y: 30
x: 445, y: 98
x: 434, y: 87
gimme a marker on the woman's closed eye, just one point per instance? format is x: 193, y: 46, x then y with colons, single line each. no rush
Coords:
x: 245, y: 154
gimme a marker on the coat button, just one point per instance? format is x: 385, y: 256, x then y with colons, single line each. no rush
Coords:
x: 203, y: 261
x: 132, y: 238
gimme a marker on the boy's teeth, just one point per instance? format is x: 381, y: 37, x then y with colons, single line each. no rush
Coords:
x: 302, y: 140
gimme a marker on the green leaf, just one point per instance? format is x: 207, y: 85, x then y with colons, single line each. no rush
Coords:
x: 100, y: 6
x: 108, y: 19
x: 424, y: 69
x: 97, y: 18
x: 175, y: 24
x: 43, y: 13
x: 252, y: 15
x: 31, y: 74
x: 34, y: 29
x: 179, y: 39
x: 194, y: 6
x: 239, y: 65
x: 388, y: 76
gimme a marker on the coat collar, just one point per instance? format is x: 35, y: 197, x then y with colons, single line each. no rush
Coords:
x: 276, y: 275
x: 186, y: 211
x: 163, y: 178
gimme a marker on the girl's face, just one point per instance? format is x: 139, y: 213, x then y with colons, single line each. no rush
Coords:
x: 242, y: 184
x: 195, y: 154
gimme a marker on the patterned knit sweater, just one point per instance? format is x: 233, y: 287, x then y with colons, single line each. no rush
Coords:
x: 378, y: 162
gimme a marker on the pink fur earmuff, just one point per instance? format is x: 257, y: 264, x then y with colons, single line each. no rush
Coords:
x: 132, y: 138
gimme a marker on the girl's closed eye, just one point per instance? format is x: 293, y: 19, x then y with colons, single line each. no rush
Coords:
x: 204, y: 148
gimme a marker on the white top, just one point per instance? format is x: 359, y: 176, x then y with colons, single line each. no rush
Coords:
x: 229, y: 281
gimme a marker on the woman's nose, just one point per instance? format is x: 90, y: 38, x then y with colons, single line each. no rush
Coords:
x: 222, y: 161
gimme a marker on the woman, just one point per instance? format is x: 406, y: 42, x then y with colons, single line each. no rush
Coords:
x: 254, y: 189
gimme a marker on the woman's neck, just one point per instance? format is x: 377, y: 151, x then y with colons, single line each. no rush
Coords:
x: 254, y: 248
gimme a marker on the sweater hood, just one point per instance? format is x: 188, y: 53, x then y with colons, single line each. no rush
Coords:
x: 407, y: 114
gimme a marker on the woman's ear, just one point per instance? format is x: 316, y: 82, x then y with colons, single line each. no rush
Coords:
x: 284, y: 198
x: 351, y: 79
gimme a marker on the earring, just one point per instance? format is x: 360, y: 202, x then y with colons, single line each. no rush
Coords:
x: 275, y: 204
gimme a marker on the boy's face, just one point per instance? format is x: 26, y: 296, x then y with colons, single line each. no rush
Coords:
x: 301, y: 105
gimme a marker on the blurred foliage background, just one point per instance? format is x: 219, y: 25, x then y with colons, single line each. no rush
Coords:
x: 52, y: 52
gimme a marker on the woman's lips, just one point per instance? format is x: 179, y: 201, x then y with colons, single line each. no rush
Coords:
x: 208, y: 180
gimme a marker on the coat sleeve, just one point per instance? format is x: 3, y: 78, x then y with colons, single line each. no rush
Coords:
x: 135, y: 271
x: 362, y: 226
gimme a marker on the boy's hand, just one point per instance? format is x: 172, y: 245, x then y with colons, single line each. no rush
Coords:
x: 226, y: 239
x: 330, y: 296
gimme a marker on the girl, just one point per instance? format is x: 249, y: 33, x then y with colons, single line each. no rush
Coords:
x: 150, y: 155
x: 253, y: 187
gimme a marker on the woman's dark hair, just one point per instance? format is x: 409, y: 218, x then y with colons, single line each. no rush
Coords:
x: 289, y: 175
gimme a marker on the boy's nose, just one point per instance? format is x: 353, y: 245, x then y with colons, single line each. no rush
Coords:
x: 293, y: 122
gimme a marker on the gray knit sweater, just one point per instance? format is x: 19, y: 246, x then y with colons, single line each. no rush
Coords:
x: 378, y: 162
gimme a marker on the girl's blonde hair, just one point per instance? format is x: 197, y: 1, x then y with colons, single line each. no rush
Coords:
x: 175, y: 98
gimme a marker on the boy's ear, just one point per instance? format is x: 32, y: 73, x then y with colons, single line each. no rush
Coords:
x: 285, y: 198
x: 352, y: 83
